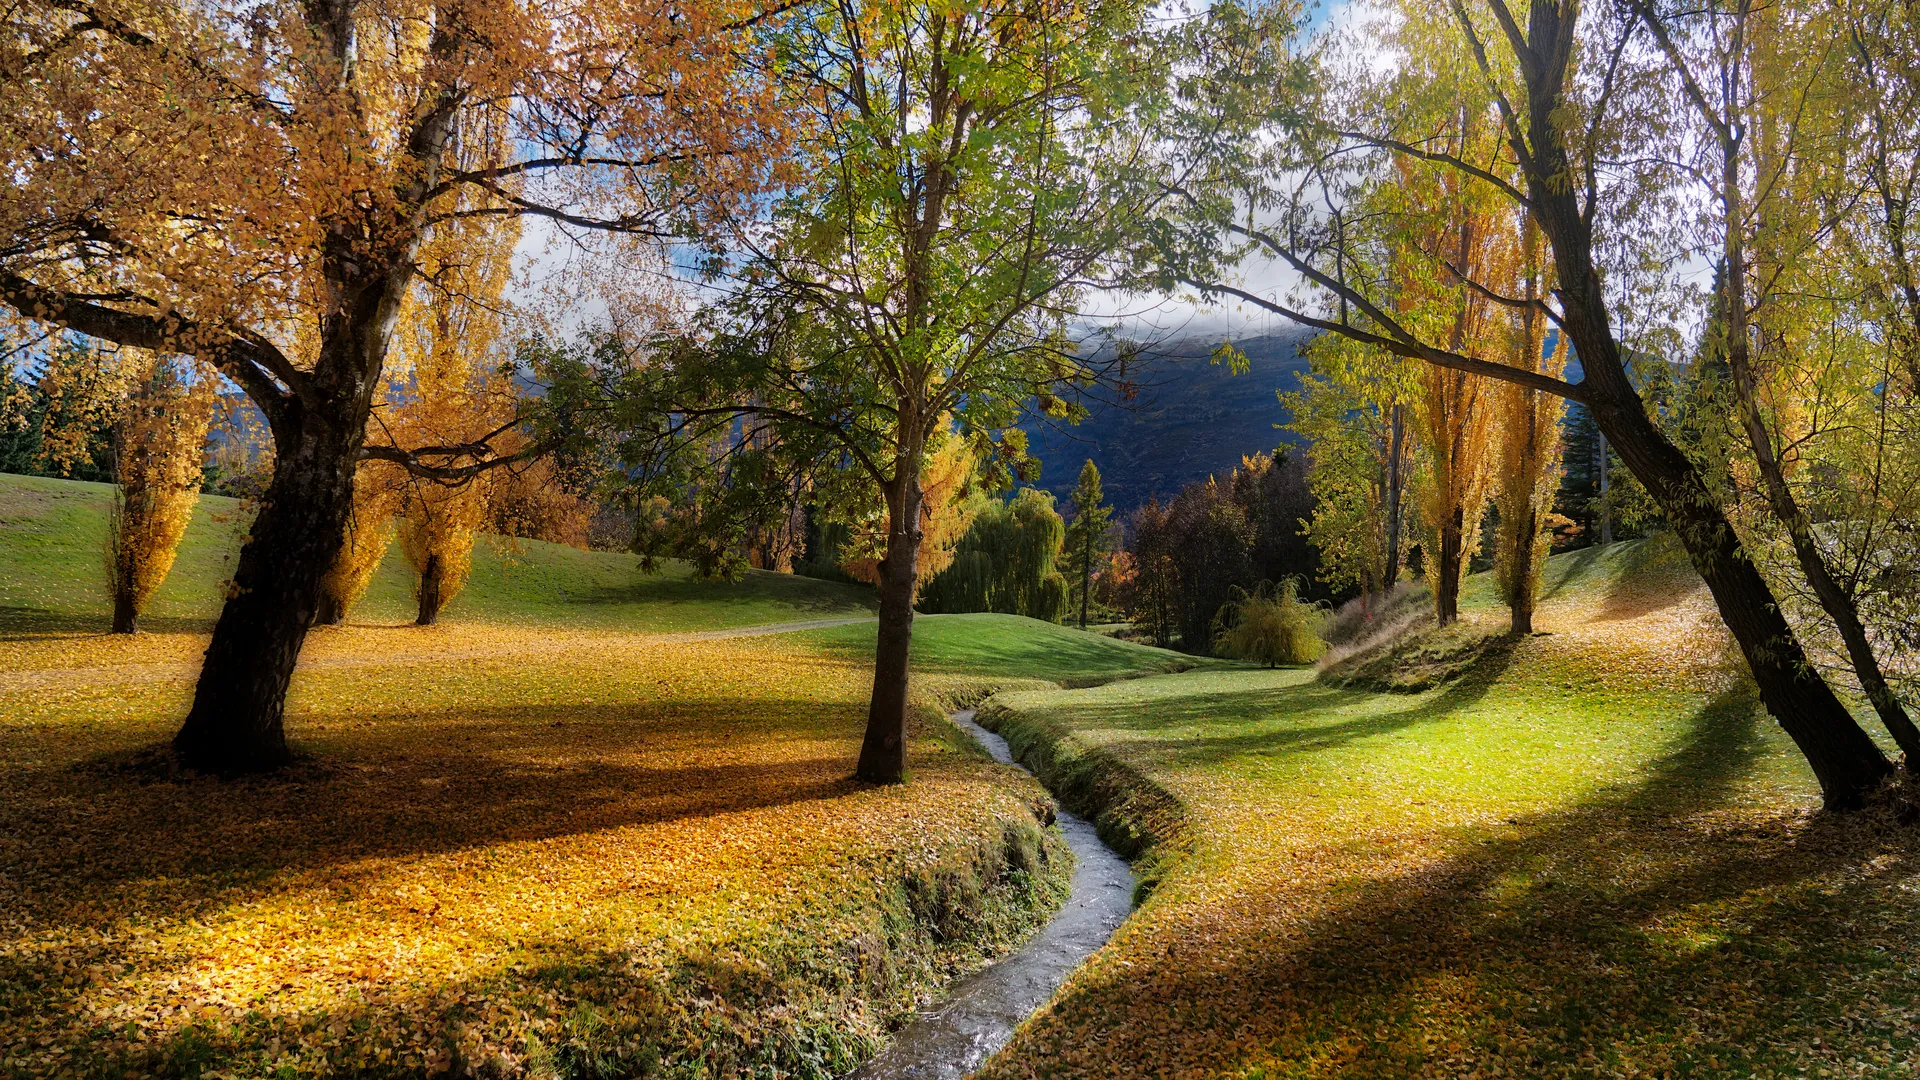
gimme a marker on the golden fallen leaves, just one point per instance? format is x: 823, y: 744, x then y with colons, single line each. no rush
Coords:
x: 514, y: 852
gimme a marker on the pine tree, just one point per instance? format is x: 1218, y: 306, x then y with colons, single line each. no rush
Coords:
x: 1087, y: 533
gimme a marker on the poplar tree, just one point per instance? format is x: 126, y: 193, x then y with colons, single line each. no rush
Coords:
x: 160, y: 445
x: 1087, y: 533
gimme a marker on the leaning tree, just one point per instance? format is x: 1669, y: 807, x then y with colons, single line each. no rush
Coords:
x: 1573, y: 93
x: 251, y: 184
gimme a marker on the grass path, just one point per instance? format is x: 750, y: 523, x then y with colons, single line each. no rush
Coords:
x: 1594, y: 856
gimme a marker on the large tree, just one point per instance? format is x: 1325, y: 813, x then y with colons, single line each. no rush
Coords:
x: 250, y: 185
x: 972, y: 166
x: 1565, y: 87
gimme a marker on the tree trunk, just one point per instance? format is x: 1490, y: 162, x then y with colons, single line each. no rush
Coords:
x: 1526, y: 571
x: 429, y: 591
x: 1086, y: 580
x: 1606, y: 508
x: 329, y: 611
x: 1396, y: 449
x: 883, y: 754
x: 1446, y: 593
x: 235, y: 725
x: 125, y: 619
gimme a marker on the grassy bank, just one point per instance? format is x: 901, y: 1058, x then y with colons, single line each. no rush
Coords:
x: 527, y: 844
x: 1592, y: 856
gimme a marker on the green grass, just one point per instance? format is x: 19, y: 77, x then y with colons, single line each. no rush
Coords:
x: 1013, y: 646
x: 1566, y: 863
x: 51, y: 539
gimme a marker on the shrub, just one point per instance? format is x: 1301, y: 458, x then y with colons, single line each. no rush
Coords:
x: 1270, y: 625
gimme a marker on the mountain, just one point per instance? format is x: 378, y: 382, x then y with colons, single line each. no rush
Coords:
x: 1190, y: 419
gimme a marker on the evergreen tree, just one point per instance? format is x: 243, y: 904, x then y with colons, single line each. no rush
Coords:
x: 1087, y: 533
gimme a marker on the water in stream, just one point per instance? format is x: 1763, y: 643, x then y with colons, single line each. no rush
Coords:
x: 979, y: 1015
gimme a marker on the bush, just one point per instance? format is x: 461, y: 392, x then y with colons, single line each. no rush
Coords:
x: 1270, y: 625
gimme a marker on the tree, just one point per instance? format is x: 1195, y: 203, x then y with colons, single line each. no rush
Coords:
x: 251, y: 186
x: 973, y: 168
x: 1529, y: 452
x: 376, y: 497
x: 1559, y: 120
x: 1087, y: 533
x: 1757, y: 86
x: 159, y: 446
x: 1007, y: 562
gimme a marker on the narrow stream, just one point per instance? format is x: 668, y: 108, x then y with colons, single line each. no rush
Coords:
x: 980, y: 1013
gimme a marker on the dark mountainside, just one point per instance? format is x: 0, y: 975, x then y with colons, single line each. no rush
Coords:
x: 1190, y: 420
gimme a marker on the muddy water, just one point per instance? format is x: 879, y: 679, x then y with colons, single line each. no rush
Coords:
x: 977, y: 1017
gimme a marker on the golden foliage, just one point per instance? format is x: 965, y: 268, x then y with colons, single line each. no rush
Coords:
x: 1529, y: 452
x: 377, y: 493
x: 160, y: 444
x: 948, y: 505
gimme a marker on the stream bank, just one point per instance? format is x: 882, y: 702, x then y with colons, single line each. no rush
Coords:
x: 980, y: 1013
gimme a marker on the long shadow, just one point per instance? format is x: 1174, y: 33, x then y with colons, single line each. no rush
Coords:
x: 27, y: 624
x: 1461, y: 694
x: 1566, y: 937
x: 457, y: 779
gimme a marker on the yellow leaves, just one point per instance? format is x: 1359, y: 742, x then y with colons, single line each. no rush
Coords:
x: 505, y: 827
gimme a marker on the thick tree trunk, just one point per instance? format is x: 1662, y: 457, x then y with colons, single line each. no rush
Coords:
x: 1446, y: 591
x: 429, y: 592
x: 883, y: 755
x: 235, y: 725
x: 125, y: 619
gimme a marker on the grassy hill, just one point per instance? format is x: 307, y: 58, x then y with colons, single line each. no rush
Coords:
x: 52, y: 535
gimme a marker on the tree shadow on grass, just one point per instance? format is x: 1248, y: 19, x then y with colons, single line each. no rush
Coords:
x: 434, y: 782
x: 1303, y: 700
x: 30, y: 624
x: 1644, y: 931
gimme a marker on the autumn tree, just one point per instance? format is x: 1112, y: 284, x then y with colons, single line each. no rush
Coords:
x: 252, y: 187
x: 972, y: 168
x: 1087, y: 534
x: 1528, y: 454
x: 1548, y: 78
x: 159, y: 447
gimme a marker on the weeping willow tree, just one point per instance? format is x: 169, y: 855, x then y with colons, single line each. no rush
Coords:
x: 1008, y: 562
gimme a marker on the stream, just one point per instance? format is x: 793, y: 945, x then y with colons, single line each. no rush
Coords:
x: 980, y: 1012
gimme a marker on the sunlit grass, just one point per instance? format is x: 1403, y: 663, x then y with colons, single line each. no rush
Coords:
x: 1577, y: 861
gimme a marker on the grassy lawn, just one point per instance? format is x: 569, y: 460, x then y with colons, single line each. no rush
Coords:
x: 1593, y: 856
x: 526, y: 842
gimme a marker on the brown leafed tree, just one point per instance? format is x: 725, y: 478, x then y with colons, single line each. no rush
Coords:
x: 251, y: 186
x: 377, y: 491
x: 159, y: 449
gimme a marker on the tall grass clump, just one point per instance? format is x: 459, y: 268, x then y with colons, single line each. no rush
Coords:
x: 159, y: 444
x: 1270, y: 625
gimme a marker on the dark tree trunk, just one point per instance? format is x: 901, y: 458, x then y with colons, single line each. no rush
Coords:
x: 125, y: 619
x: 883, y: 754
x: 1521, y: 601
x: 330, y: 612
x: 429, y: 592
x: 1446, y: 592
x: 1086, y: 579
x: 235, y: 725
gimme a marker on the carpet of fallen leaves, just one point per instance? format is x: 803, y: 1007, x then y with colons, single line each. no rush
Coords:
x: 510, y: 852
x: 1592, y: 857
